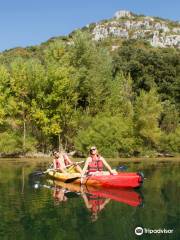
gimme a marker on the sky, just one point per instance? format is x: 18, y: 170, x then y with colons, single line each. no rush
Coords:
x: 31, y: 22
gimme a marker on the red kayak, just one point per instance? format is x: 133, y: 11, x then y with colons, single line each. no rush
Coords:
x: 120, y: 180
x: 127, y: 180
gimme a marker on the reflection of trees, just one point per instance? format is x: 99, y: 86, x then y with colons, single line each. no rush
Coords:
x: 32, y: 215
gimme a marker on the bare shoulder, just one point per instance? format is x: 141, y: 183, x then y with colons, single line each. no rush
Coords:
x: 88, y: 159
x: 65, y: 155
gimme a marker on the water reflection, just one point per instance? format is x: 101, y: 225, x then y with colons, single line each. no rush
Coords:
x: 95, y: 199
x: 38, y: 213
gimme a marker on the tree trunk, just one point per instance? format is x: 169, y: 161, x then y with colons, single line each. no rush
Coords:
x: 24, y: 134
x: 22, y: 189
x: 59, y: 142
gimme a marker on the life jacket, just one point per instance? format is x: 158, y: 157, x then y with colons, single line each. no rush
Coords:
x: 95, y: 165
x: 57, y: 163
x: 95, y: 203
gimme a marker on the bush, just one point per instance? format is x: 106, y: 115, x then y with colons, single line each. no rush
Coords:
x: 10, y: 143
x: 171, y: 142
x: 112, y: 135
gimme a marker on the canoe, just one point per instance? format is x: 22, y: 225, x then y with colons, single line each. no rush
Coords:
x: 122, y: 195
x: 121, y: 180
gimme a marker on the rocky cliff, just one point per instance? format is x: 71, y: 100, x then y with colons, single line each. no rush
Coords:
x: 126, y: 25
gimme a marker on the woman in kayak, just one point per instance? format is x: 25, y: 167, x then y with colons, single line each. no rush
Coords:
x: 95, y: 163
x: 63, y: 164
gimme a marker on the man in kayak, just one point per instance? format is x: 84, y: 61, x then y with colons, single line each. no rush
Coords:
x: 95, y: 163
x: 62, y: 163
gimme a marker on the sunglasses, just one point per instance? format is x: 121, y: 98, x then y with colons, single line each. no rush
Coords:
x: 93, y: 149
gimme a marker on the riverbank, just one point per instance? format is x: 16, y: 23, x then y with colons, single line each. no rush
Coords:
x: 145, y: 159
x: 121, y: 160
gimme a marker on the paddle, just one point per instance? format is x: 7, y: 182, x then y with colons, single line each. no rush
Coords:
x: 67, y: 193
x: 70, y: 180
x: 75, y: 163
x: 39, y: 173
x: 121, y: 168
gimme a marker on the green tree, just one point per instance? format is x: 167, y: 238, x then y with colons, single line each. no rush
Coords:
x: 94, y: 73
x: 169, y: 118
x: 121, y: 97
x: 147, y: 114
x: 113, y: 136
x: 4, y: 92
x: 170, y: 143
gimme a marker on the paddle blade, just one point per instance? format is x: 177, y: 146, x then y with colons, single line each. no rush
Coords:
x: 72, y: 194
x: 121, y: 168
x: 70, y: 180
x: 37, y: 173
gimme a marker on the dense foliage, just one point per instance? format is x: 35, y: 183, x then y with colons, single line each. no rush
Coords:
x: 76, y: 93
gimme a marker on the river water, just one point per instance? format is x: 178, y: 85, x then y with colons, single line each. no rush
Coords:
x: 37, y: 208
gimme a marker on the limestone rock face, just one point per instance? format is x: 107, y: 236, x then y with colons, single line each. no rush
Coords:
x: 122, y: 13
x: 126, y: 25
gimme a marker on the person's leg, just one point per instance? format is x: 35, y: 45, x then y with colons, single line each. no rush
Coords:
x: 61, y: 170
x: 78, y: 169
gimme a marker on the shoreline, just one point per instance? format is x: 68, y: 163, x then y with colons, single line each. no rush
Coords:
x: 122, y: 160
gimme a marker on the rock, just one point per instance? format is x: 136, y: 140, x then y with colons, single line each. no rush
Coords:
x: 156, y: 31
x: 118, y: 32
x: 99, y: 32
x: 76, y: 154
x: 176, y: 30
x: 165, y: 155
x: 114, y: 47
x: 122, y: 13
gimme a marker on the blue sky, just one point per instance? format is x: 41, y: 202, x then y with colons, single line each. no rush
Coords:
x: 30, y: 22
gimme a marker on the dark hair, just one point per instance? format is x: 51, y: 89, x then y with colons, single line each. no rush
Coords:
x: 54, y: 151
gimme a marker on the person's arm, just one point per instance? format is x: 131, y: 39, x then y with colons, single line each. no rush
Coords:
x: 85, y: 167
x: 67, y: 159
x: 62, y: 170
x: 107, y: 165
x: 86, y: 201
x: 54, y: 164
x: 105, y: 203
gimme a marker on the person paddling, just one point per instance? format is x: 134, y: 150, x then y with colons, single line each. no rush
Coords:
x: 63, y: 164
x: 95, y: 163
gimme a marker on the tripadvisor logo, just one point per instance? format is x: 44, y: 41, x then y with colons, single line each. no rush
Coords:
x: 139, y: 231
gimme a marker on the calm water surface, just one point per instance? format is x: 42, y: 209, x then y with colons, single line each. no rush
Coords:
x: 40, y: 209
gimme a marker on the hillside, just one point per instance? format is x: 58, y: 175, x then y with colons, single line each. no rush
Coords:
x: 126, y: 25
x: 100, y: 86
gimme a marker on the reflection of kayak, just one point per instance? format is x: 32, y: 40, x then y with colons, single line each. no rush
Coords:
x: 123, y: 195
x: 128, y: 180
